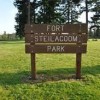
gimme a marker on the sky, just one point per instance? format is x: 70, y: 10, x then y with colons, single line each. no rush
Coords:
x: 7, y: 16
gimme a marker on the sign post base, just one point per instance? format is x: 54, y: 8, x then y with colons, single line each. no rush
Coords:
x: 78, y: 65
x: 33, y: 67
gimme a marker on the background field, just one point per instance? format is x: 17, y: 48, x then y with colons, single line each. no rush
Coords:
x: 55, y: 68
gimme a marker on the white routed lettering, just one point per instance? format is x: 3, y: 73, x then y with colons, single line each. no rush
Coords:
x: 45, y: 38
x: 58, y: 48
x: 61, y: 38
x: 53, y: 28
x: 58, y: 38
x: 62, y: 48
x: 65, y: 38
x: 70, y: 38
x: 41, y: 38
x: 48, y: 27
x: 62, y: 27
x: 48, y: 48
x: 55, y: 48
x: 74, y: 38
x: 56, y: 28
x: 36, y: 38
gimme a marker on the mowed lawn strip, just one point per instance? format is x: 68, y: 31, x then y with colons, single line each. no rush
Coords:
x: 54, y: 68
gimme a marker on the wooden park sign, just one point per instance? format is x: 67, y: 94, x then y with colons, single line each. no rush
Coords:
x: 51, y: 38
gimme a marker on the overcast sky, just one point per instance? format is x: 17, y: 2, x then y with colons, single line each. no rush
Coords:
x: 7, y: 16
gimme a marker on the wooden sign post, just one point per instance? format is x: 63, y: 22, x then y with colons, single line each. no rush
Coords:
x: 48, y: 38
x: 52, y: 38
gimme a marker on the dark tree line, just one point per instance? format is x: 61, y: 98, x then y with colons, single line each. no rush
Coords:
x: 95, y: 19
x: 21, y: 16
x: 52, y: 11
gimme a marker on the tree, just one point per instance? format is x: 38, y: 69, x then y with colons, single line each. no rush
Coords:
x: 95, y: 19
x: 47, y: 11
x: 95, y: 8
x: 76, y: 1
x: 55, y: 11
x: 21, y: 16
x: 71, y: 11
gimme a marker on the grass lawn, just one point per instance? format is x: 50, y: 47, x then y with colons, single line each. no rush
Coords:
x: 15, y: 66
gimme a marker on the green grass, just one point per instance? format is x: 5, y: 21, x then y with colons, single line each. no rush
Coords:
x: 15, y: 66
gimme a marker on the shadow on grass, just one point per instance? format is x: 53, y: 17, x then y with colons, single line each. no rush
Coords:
x: 45, y: 75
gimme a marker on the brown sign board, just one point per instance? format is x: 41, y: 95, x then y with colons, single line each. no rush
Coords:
x: 52, y: 28
x: 62, y: 38
x: 73, y: 34
x: 51, y: 38
x: 51, y: 48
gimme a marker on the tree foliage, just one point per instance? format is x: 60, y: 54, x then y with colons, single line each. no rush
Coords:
x: 95, y: 19
x: 52, y: 11
x: 21, y: 16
